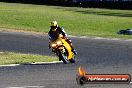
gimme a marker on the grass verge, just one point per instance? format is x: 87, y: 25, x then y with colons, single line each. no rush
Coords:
x: 17, y: 58
x: 76, y: 21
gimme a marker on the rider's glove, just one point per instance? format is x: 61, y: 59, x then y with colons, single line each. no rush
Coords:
x: 64, y: 37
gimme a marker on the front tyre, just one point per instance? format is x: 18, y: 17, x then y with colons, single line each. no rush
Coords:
x: 63, y: 56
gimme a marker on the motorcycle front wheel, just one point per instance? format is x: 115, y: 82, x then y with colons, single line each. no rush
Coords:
x: 63, y: 57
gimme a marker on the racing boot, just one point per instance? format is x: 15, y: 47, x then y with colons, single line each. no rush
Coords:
x: 74, y: 51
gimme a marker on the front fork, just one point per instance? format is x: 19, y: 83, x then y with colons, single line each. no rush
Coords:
x: 60, y: 49
x: 57, y: 51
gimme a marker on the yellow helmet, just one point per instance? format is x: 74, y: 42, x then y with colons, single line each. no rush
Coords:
x: 54, y: 23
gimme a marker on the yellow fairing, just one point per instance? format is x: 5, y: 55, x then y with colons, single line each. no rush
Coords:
x: 66, y: 45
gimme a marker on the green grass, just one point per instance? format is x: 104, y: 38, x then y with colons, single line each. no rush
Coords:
x: 76, y: 21
x: 17, y: 58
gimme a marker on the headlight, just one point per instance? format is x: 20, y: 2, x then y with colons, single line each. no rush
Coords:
x: 59, y: 42
x: 53, y: 45
x: 61, y: 35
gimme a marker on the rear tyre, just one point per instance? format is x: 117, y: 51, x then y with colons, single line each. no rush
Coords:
x: 73, y: 59
x: 81, y: 80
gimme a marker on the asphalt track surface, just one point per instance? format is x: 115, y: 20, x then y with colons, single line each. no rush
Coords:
x: 97, y: 56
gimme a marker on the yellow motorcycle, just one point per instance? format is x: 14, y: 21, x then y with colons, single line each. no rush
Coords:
x: 62, y: 49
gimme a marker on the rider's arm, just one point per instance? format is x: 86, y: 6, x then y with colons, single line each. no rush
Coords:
x: 50, y: 37
x: 62, y: 31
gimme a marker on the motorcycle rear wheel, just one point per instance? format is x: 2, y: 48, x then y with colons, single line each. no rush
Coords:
x: 73, y: 59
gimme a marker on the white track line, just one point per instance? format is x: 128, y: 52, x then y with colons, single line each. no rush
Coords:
x: 11, y: 65
x: 1, y: 52
x: 99, y: 38
x: 15, y: 87
x: 54, y: 62
x: 28, y: 87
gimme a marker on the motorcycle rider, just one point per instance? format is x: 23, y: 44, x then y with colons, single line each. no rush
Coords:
x: 55, y: 30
